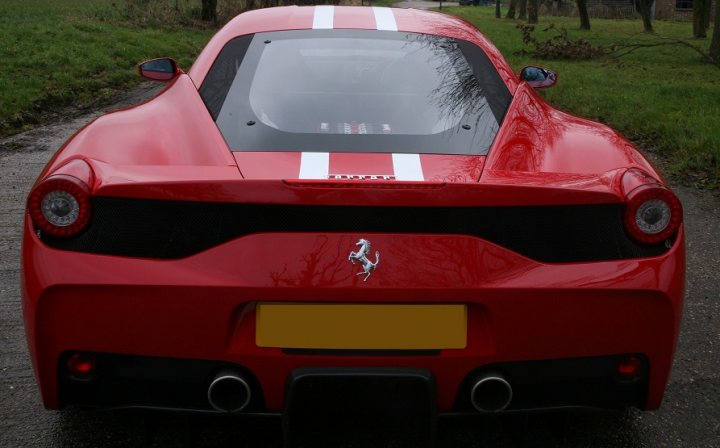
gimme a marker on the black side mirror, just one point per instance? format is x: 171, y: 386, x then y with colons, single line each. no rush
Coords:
x: 538, y: 77
x: 160, y: 69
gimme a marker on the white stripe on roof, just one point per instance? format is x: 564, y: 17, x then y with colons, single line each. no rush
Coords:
x: 384, y: 18
x: 323, y: 18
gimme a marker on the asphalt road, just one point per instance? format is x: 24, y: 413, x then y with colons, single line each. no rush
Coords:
x: 689, y: 417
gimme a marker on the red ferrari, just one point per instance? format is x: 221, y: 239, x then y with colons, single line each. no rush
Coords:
x: 351, y: 206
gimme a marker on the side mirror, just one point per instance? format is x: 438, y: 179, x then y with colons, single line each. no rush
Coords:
x: 160, y: 69
x: 538, y: 77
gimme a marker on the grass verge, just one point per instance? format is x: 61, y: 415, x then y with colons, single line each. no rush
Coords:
x: 81, y: 52
x: 664, y: 97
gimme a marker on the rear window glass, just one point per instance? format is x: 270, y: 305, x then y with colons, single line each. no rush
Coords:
x: 355, y: 91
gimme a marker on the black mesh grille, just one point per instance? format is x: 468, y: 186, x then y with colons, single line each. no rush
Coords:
x: 173, y: 229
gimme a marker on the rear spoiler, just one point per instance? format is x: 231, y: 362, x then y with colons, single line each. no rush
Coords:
x: 224, y: 184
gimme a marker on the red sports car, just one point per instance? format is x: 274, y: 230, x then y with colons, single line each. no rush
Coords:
x: 351, y: 206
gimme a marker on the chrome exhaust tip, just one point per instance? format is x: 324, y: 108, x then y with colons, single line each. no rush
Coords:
x: 491, y: 393
x: 228, y: 392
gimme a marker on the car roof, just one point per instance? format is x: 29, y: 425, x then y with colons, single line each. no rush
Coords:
x: 348, y: 17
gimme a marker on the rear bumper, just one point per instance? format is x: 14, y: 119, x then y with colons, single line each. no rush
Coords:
x: 124, y: 381
x: 203, y: 308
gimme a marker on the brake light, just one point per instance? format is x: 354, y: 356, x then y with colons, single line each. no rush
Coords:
x: 60, y: 205
x: 652, y: 212
x: 629, y: 368
x: 81, y: 366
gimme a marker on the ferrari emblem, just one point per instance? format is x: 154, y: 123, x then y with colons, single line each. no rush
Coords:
x: 361, y: 256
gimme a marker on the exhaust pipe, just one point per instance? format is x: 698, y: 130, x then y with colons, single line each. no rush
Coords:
x: 228, y: 392
x: 491, y: 393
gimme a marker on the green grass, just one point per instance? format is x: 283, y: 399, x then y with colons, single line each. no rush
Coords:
x: 664, y: 97
x: 80, y: 52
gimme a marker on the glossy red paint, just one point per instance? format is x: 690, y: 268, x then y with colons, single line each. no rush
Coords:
x: 188, y: 185
x: 172, y: 129
x: 202, y: 306
x: 536, y: 138
x: 568, y: 310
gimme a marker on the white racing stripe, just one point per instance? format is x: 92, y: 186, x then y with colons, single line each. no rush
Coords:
x: 323, y: 18
x: 407, y: 167
x: 314, y: 165
x: 384, y: 19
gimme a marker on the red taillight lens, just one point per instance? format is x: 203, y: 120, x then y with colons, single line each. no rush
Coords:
x: 81, y: 366
x: 653, y: 213
x: 629, y: 368
x: 60, y: 205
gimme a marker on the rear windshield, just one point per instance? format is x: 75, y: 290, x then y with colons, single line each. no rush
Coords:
x: 355, y: 91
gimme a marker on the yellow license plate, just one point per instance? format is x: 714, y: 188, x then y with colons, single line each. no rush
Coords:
x: 360, y: 326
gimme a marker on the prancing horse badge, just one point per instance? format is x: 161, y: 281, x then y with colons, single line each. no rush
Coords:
x: 361, y: 256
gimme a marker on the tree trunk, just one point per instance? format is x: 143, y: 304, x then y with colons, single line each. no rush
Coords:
x: 497, y: 9
x: 583, y: 13
x: 522, y: 6
x: 532, y: 9
x: 643, y: 7
x: 699, y: 18
x: 708, y: 13
x: 209, y: 11
x: 715, y: 43
x: 511, y: 10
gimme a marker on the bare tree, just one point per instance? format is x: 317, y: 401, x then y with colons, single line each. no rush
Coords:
x: 522, y: 14
x: 715, y: 43
x: 511, y: 10
x: 497, y: 9
x: 209, y: 11
x: 532, y: 9
x: 644, y: 7
x: 708, y: 13
x: 583, y: 13
x: 699, y: 18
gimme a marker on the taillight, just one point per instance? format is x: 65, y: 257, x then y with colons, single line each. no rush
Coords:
x: 81, y: 366
x: 60, y: 205
x: 629, y: 367
x: 652, y: 213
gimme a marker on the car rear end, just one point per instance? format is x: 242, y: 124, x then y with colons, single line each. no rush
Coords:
x: 513, y: 307
x: 321, y: 247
